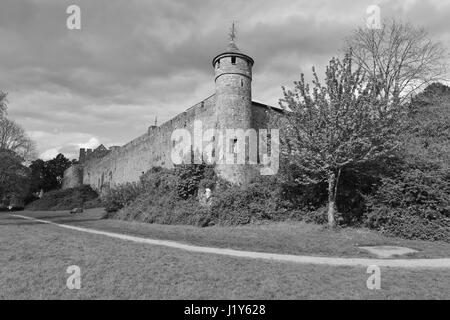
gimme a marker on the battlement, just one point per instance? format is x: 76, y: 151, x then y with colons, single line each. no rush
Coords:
x: 89, y: 154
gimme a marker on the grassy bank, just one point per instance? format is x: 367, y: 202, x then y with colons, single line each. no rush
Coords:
x: 35, y: 257
x: 292, y: 237
x: 67, y: 199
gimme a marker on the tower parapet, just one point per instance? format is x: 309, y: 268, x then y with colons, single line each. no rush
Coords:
x: 82, y: 156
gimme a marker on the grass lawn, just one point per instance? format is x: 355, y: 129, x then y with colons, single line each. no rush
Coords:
x: 285, y: 237
x: 34, y: 258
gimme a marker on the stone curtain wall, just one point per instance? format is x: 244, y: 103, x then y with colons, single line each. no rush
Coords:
x: 73, y: 176
x: 127, y: 163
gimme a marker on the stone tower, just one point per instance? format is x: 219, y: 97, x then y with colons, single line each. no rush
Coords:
x: 233, y: 81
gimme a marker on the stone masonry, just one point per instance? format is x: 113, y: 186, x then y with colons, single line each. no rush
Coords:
x: 230, y: 107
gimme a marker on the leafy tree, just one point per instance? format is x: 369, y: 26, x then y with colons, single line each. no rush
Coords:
x: 427, y: 137
x: 37, y: 175
x: 14, y: 177
x: 48, y: 175
x: 53, y: 172
x: 335, y: 126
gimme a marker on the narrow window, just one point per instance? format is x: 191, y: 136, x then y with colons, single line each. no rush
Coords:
x: 233, y: 60
x: 242, y: 83
x: 218, y: 64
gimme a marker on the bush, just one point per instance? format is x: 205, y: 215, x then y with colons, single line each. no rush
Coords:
x: 170, y: 197
x: 260, y: 200
x: 318, y: 216
x: 66, y: 199
x: 207, y: 183
x: 159, y: 180
x: 118, y: 197
x: 414, y: 205
x: 233, y: 206
x: 161, y: 196
x: 164, y: 210
x: 408, y: 223
x: 94, y: 203
x: 190, y: 177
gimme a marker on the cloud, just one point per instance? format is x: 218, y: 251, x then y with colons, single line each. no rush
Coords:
x: 136, y: 60
x: 92, y: 143
x: 67, y: 143
x: 49, y: 154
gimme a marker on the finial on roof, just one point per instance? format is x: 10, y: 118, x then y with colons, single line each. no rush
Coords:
x: 232, y: 35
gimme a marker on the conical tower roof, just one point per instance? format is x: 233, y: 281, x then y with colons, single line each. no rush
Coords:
x: 232, y: 47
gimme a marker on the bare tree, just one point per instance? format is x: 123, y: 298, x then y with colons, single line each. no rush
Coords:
x: 14, y: 138
x: 399, y: 56
x: 3, y: 105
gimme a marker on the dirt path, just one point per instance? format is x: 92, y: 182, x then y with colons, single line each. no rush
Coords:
x: 335, y: 261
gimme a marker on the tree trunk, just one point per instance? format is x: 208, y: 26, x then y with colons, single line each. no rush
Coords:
x: 331, y: 199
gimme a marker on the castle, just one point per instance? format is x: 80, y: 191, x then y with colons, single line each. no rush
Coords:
x: 231, y: 106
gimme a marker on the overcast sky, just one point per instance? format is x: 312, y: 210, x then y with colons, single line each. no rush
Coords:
x: 133, y: 61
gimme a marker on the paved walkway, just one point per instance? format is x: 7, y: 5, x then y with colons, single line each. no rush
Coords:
x: 397, y: 263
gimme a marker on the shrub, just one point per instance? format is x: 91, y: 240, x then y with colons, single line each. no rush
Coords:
x: 415, y: 205
x: 233, y: 206
x: 207, y: 183
x: 169, y: 197
x: 118, y: 197
x: 412, y: 203
x: 318, y: 216
x: 66, y: 199
x: 30, y: 198
x: 94, y: 203
x: 190, y: 177
x: 408, y: 223
x: 165, y: 210
x: 162, y: 196
x: 246, y: 204
x: 159, y: 180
